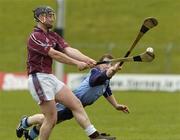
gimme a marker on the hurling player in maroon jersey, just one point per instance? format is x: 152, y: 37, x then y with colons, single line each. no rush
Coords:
x: 43, y: 46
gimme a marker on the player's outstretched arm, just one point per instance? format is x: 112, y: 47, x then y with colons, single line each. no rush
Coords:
x: 111, y: 99
x: 63, y: 58
x: 76, y: 54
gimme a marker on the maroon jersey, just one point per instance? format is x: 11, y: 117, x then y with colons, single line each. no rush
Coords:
x: 39, y: 43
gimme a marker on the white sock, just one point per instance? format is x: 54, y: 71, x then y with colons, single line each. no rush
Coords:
x: 90, y: 130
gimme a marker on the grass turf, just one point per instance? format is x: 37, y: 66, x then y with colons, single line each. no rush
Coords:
x: 154, y: 116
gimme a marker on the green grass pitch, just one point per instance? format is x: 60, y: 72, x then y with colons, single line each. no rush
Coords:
x: 154, y: 116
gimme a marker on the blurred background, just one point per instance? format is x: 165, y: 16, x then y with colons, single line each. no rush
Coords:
x: 96, y: 27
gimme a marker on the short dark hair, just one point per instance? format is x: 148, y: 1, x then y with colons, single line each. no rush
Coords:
x: 109, y: 56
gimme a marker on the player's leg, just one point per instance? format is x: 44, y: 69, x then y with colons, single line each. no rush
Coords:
x: 66, y: 97
x: 37, y: 121
x: 26, y: 122
x: 33, y: 133
x: 42, y: 90
x: 21, y: 126
x: 48, y: 108
x: 48, y: 120
x: 63, y: 114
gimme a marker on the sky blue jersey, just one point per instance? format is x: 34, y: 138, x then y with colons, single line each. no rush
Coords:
x: 91, y: 88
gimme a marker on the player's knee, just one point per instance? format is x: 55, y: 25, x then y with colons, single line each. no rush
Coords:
x: 51, y: 119
x: 41, y: 118
x: 76, y: 105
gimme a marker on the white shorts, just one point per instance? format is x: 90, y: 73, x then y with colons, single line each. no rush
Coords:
x: 44, y: 87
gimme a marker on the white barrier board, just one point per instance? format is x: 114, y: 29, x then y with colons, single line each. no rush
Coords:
x: 146, y: 82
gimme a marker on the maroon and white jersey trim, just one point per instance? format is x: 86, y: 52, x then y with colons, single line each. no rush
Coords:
x: 38, y: 42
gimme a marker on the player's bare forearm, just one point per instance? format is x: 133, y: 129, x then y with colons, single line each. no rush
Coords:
x: 111, y: 99
x: 76, y: 54
x: 61, y: 57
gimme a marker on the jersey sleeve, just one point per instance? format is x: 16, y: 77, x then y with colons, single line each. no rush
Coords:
x: 97, y: 77
x: 38, y: 43
x: 108, y: 92
x: 61, y: 43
